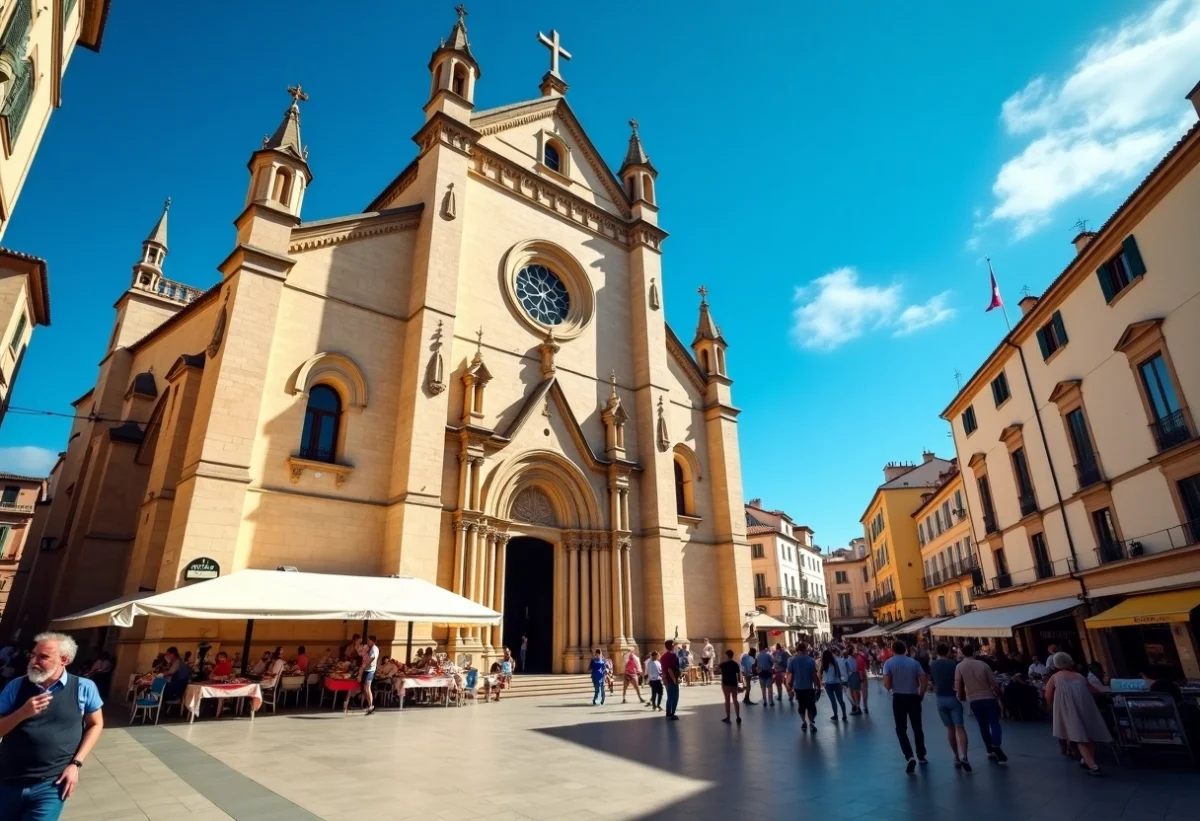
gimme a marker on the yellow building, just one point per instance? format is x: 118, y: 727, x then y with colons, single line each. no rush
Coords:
x: 37, y: 40
x: 891, y: 534
x: 947, y: 549
x: 471, y: 381
x: 848, y: 580
x: 1079, y: 442
x: 24, y: 304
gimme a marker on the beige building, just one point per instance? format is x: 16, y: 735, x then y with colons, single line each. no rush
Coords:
x: 848, y: 582
x: 1078, y: 438
x: 947, y: 549
x: 37, y: 40
x: 789, y: 580
x: 19, y: 497
x: 24, y: 304
x: 471, y: 381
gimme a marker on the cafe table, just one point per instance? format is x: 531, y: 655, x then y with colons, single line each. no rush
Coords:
x: 415, y: 682
x: 349, y: 686
x: 199, y: 691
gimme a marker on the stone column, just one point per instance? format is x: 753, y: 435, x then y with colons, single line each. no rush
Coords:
x: 606, y: 586
x: 460, y: 559
x: 472, y: 570
x: 572, y: 595
x: 498, y: 592
x: 594, y: 578
x: 627, y: 574
x: 476, y: 472
x: 489, y: 594
x: 618, y: 592
x: 585, y: 597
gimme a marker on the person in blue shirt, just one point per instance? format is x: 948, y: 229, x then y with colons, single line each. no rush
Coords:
x: 599, y: 671
x: 805, y: 684
x: 49, y: 722
x: 905, y: 679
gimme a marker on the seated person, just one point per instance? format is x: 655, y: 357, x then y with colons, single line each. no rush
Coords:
x: 260, y: 666
x: 103, y: 664
x: 275, y: 667
x: 301, y: 659
x: 388, y: 670
x: 177, y: 674
x: 223, y: 668
x: 327, y: 660
x: 1038, y: 669
x: 496, y: 672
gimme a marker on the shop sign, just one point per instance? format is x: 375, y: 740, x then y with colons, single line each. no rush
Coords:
x: 201, y: 569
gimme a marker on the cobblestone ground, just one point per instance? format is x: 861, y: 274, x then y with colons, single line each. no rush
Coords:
x: 564, y: 759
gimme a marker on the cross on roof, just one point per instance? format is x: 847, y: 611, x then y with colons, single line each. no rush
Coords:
x: 703, y: 291
x: 461, y: 10
x: 634, y: 125
x: 556, y: 50
x: 298, y: 95
x: 167, y: 204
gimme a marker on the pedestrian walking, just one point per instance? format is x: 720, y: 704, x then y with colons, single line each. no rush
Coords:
x: 599, y: 671
x: 975, y: 683
x: 905, y: 679
x: 766, y: 666
x: 49, y: 722
x: 805, y: 684
x: 748, y: 673
x: 949, y: 708
x: 1077, y: 719
x: 862, y: 662
x: 670, y: 673
x: 730, y: 673
x: 654, y: 676
x: 853, y: 679
x: 831, y: 675
x: 779, y: 660
x: 633, y: 672
x: 366, y: 676
x: 708, y: 658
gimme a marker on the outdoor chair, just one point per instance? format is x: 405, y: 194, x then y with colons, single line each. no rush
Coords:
x: 291, y: 685
x: 270, y: 693
x: 151, y: 703
x: 310, y: 681
x: 470, y: 688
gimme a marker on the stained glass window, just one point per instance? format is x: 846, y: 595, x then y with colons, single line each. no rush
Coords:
x: 543, y: 295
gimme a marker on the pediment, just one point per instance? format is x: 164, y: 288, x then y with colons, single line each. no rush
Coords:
x: 1010, y: 433
x: 516, y: 131
x: 1139, y: 333
x: 1065, y: 389
x: 976, y: 460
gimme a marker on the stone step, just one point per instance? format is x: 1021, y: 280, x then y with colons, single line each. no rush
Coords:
x: 527, y: 686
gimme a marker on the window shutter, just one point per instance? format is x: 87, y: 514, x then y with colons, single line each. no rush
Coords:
x: 1133, y: 257
x: 995, y: 392
x: 1041, y: 335
x: 1105, y: 282
x: 1060, y: 330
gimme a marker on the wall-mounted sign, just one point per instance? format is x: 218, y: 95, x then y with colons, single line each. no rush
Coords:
x: 200, y: 569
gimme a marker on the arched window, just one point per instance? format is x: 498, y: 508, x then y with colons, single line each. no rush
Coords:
x: 318, y: 442
x: 704, y: 362
x: 460, y: 80
x: 283, y: 186
x: 551, y: 158
x: 631, y: 187
x: 680, y: 490
x: 648, y: 188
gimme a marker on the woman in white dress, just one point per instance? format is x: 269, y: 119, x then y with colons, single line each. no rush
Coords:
x: 1076, y: 717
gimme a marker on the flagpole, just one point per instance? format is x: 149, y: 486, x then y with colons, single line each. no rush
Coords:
x: 1003, y: 310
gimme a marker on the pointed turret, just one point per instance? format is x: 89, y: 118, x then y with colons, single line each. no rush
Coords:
x: 279, y: 169
x: 147, y: 271
x: 709, y: 346
x: 455, y: 70
x: 637, y: 172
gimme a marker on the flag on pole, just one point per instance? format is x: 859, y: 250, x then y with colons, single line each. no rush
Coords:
x: 996, y: 302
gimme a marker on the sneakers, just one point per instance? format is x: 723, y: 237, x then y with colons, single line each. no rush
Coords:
x: 911, y: 767
x: 844, y: 717
x: 966, y: 765
x: 992, y: 755
x: 804, y: 727
x: 1000, y: 756
x: 371, y: 710
x: 957, y: 764
x: 833, y: 718
x: 727, y: 721
x: 672, y: 718
x: 922, y: 760
x: 739, y: 719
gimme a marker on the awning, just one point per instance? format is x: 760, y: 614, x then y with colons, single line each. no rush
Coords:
x: 920, y: 625
x: 1154, y: 608
x: 1000, y: 621
x: 870, y: 632
x: 285, y: 595
x: 764, y: 622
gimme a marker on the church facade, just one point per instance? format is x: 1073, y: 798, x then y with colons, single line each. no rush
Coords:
x: 472, y: 381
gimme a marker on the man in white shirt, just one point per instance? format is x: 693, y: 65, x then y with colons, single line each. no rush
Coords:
x: 1037, y: 669
x: 1052, y: 649
x: 370, y: 657
x: 654, y: 675
x: 707, y: 655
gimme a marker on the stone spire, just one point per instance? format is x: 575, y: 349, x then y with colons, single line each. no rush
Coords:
x: 706, y: 328
x: 148, y: 270
x: 637, y: 172
x: 287, y: 136
x: 636, y: 154
x: 158, y: 234
x: 709, y: 346
x: 458, y: 40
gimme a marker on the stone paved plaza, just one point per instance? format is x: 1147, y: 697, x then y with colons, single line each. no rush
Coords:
x: 563, y: 759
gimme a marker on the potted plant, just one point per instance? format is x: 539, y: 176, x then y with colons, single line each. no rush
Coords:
x: 1136, y: 549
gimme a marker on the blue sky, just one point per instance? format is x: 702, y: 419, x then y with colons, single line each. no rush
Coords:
x: 833, y: 172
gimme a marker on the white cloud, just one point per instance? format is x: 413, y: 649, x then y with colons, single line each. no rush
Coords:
x: 1118, y: 110
x: 27, y: 460
x: 835, y: 308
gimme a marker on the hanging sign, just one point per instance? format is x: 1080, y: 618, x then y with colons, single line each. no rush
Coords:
x: 200, y: 569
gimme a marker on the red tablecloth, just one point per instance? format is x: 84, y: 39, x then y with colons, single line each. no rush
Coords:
x: 338, y: 685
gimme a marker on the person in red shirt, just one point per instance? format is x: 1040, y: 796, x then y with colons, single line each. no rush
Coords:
x: 301, y: 659
x: 670, y: 673
x: 861, y: 664
x: 223, y: 668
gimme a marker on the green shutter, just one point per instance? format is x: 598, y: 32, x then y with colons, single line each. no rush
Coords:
x: 1105, y: 282
x: 1133, y: 257
x: 1041, y: 335
x: 1060, y: 330
x: 995, y: 392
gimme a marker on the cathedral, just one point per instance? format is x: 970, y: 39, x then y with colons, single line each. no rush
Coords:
x: 472, y: 381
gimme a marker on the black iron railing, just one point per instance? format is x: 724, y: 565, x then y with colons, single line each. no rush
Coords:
x: 880, y: 599
x: 989, y: 523
x: 951, y: 572
x: 1043, y: 568
x: 1002, y: 581
x: 1171, y: 430
x: 1088, y: 471
x: 1161, y: 541
x: 849, y: 613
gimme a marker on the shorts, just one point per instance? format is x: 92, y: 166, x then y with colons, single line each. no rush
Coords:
x: 950, y: 711
x: 779, y: 676
x: 806, y: 702
x: 367, y: 678
x: 704, y: 663
x: 855, y: 682
x: 766, y: 678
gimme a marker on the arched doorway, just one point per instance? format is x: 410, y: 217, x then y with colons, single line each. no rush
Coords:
x: 529, y: 601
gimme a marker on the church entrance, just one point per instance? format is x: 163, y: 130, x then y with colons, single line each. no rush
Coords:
x: 529, y: 602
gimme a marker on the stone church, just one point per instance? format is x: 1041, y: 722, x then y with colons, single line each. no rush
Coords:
x: 472, y: 381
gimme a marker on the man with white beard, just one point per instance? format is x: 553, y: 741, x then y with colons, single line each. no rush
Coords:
x: 49, y: 722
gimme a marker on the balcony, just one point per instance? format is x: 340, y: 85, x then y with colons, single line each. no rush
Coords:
x: 1088, y: 471
x: 810, y: 596
x: 776, y: 593
x: 881, y: 599
x: 317, y: 455
x: 1002, y: 581
x: 1171, y: 430
x: 1028, y: 503
x: 989, y: 523
x: 951, y: 572
x: 13, y: 507
x: 1030, y: 575
x: 1162, y: 541
x: 849, y: 613
x: 1043, y: 569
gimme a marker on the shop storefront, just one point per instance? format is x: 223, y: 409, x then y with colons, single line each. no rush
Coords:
x: 1153, y: 633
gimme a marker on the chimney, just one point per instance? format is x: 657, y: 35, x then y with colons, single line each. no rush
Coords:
x: 1027, y: 304
x: 1082, y: 240
x: 928, y: 456
x: 894, y: 470
x: 1194, y: 96
x: 756, y: 503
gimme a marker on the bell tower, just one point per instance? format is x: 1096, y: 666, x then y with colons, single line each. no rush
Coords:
x: 454, y: 70
x: 639, y: 176
x: 148, y: 271
x: 279, y: 172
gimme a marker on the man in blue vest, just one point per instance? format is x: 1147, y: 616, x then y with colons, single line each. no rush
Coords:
x: 49, y: 722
